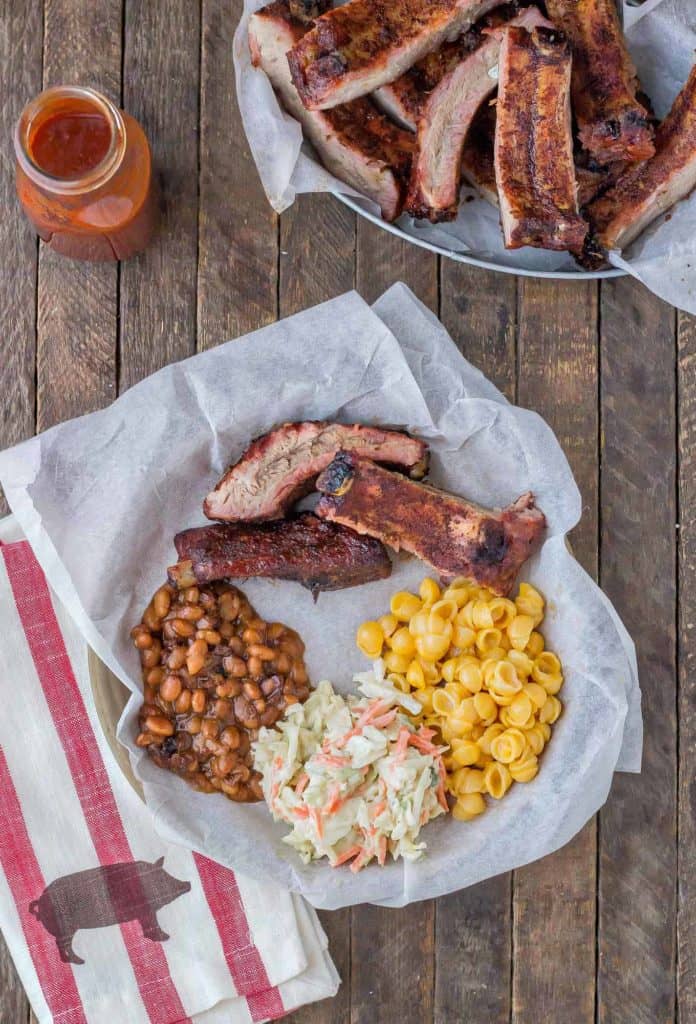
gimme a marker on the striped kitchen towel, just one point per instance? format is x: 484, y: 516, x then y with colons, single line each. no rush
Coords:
x: 106, y: 922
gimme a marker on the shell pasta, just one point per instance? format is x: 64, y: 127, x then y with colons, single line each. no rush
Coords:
x: 477, y: 665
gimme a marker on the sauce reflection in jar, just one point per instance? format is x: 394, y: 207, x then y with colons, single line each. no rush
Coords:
x: 84, y: 175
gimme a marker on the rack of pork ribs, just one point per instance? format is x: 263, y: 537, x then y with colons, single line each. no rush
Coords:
x: 537, y: 107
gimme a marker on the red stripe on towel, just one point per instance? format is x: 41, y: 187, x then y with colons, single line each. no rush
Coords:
x: 91, y: 780
x: 242, y: 956
x: 26, y: 883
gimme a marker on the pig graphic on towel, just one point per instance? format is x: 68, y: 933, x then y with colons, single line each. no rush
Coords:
x: 132, y: 891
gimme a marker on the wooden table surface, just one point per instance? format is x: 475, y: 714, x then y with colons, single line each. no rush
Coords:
x: 606, y: 928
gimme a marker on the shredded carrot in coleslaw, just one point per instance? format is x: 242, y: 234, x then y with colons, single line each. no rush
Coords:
x: 353, y: 777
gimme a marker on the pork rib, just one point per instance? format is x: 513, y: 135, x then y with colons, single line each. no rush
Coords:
x: 403, y: 98
x: 613, y: 124
x: 354, y: 49
x: 355, y: 142
x: 456, y: 537
x: 317, y: 554
x: 478, y: 164
x: 281, y: 466
x: 534, y: 167
x: 649, y: 189
x: 445, y: 120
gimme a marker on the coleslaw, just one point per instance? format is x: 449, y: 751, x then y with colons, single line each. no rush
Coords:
x: 353, y: 776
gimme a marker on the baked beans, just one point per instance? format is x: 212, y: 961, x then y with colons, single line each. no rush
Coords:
x: 213, y: 674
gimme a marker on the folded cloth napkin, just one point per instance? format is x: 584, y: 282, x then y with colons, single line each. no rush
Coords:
x: 104, y: 920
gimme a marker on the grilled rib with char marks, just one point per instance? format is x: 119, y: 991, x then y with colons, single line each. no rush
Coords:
x: 456, y: 537
x: 612, y: 123
x: 446, y: 118
x: 281, y: 466
x: 356, y: 142
x: 647, y: 190
x: 403, y: 98
x: 307, y: 550
x: 354, y: 49
x: 534, y: 166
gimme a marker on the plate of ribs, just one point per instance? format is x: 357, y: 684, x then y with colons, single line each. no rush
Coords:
x: 267, y: 511
x: 516, y: 136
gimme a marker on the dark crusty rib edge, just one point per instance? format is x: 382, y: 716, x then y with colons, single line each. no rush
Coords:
x: 409, y: 29
x: 357, y: 159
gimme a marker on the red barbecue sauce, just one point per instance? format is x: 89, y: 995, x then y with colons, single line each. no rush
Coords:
x: 68, y: 144
x: 84, y: 175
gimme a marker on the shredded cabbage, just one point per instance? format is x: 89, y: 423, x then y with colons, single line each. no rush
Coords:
x: 353, y: 777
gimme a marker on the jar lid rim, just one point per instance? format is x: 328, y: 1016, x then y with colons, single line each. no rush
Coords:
x: 98, y: 174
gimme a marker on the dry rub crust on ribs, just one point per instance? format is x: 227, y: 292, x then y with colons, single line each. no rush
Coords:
x: 319, y: 555
x: 456, y: 537
x: 445, y: 120
x: 647, y: 190
x: 281, y: 466
x: 613, y: 124
x: 354, y: 49
x: 403, y: 99
x: 356, y: 142
x: 534, y: 166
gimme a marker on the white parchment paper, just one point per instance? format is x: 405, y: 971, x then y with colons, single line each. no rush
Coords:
x: 662, y: 40
x: 101, y: 497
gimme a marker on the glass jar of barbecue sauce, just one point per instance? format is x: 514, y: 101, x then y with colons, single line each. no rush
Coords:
x: 84, y: 175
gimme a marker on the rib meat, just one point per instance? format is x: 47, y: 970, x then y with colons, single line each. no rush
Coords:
x: 354, y: 49
x: 533, y: 143
x: 649, y: 189
x: 281, y: 466
x: 445, y: 120
x: 317, y: 554
x: 403, y: 98
x: 478, y: 165
x: 355, y: 142
x: 456, y: 537
x: 613, y: 124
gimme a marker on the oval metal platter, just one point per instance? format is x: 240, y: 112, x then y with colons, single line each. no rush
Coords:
x: 475, y: 261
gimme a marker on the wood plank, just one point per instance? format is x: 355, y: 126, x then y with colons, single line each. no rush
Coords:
x: 77, y: 308
x: 317, y: 262
x: 317, y: 252
x: 637, y: 861
x: 383, y: 259
x: 554, y: 900
x: 20, y: 60
x: 76, y: 339
x: 237, y: 228
x: 158, y: 288
x: 393, y: 951
x: 686, y: 851
x: 473, y: 927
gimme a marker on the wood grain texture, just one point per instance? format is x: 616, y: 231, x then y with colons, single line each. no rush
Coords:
x: 686, y: 849
x: 160, y: 88
x: 237, y: 228
x: 637, y: 862
x: 473, y: 927
x: 554, y: 900
x: 479, y: 309
x: 317, y: 252
x: 382, y: 260
x: 21, y: 30
x: 393, y: 951
x: 317, y: 262
x: 77, y: 308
